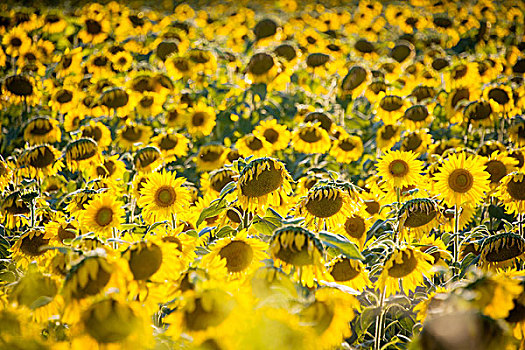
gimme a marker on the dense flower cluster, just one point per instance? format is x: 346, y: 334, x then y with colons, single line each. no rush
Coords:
x: 263, y: 176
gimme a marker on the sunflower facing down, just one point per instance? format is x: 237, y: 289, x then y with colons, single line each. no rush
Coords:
x: 405, y: 270
x: 296, y: 249
x: 42, y: 130
x: 419, y: 216
x: 400, y: 169
x: 40, y: 162
x: 263, y: 183
x: 103, y: 214
x: 502, y: 251
x: 243, y: 254
x: 162, y: 197
x: 462, y: 179
x: 328, y: 205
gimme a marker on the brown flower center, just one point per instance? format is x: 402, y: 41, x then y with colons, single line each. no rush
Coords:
x: 355, y: 77
x: 104, y: 216
x: 343, y: 271
x: 144, y: 260
x: 460, y: 180
x: 199, y: 118
x: 165, y: 196
x: 398, y: 168
x: 496, y: 169
x: 499, y: 95
x: 516, y: 189
x: 32, y: 246
x: 269, y: 180
x: 254, y: 144
x: 238, y: 255
x: 324, y: 207
x: 310, y: 135
x: 416, y: 113
x: 260, y: 63
x: 217, y: 308
x: 391, y: 103
x: 355, y: 226
x: 93, y: 27
x: 271, y: 135
x: 407, y: 265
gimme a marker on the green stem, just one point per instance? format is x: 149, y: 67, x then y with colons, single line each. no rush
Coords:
x: 456, y: 237
x: 379, y: 322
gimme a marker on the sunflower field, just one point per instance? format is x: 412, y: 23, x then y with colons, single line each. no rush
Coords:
x: 262, y: 175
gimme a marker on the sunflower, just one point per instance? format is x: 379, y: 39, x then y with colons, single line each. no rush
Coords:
x: 217, y: 180
x: 6, y: 172
x: 110, y: 322
x: 502, y: 250
x: 243, y: 254
x: 327, y: 206
x: 98, y: 132
x: 498, y: 165
x: 461, y: 180
x: 355, y: 81
x: 251, y: 145
x: 295, y: 248
x: 512, y: 193
x: 390, y: 108
x: 103, y: 215
x: 405, y: 270
x: 40, y: 162
x: 95, y: 28
x: 311, y: 138
x: 211, y: 157
x: 116, y: 100
x: 147, y: 159
x: 416, y: 141
x: 171, y: 144
x: 82, y: 153
x: 32, y: 245
x: 501, y: 99
x: 479, y: 113
x: 400, y: 169
x: 110, y: 168
x: 261, y: 68
x: 200, y: 119
x: 419, y: 216
x: 16, y: 42
x: 162, y: 197
x: 41, y: 130
x: 14, y: 210
x: 263, y: 183
x: 349, y: 272
x: 347, y: 149
x: 329, y: 315
x: 276, y: 134
x: 355, y: 227
x: 387, y: 136
x: 132, y: 134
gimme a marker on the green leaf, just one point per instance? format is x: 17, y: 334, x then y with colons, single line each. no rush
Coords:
x: 268, y: 224
x: 227, y: 189
x: 41, y: 301
x: 7, y: 276
x: 215, y: 208
x: 347, y: 248
x: 224, y: 231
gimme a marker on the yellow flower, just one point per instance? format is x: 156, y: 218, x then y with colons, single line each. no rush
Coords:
x: 40, y: 162
x: 400, y: 169
x: 256, y: 146
x: 349, y: 272
x: 200, y: 120
x: 243, y: 254
x: 162, y: 197
x: 311, y: 138
x: 502, y: 250
x: 211, y: 157
x: 103, y: 215
x: 419, y: 216
x: 347, y: 149
x: 42, y: 130
x: 263, y: 183
x: 276, y: 134
x: 462, y: 179
x: 512, y: 193
x: 299, y: 250
x: 404, y: 270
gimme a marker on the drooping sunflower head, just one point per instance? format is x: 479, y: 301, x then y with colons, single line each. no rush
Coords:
x: 263, y: 182
x: 419, y: 215
x: 40, y: 161
x: 31, y: 245
x: 502, y: 250
x: 328, y: 204
x: 347, y: 149
x: 144, y: 259
x: 296, y: 248
x: 512, y: 192
x: 20, y: 87
x: 147, y: 159
x: 83, y: 151
x: 98, y: 271
x: 115, y: 98
x: 479, y: 113
x: 42, y: 129
x: 132, y: 135
x: 261, y: 68
x: 220, y: 178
